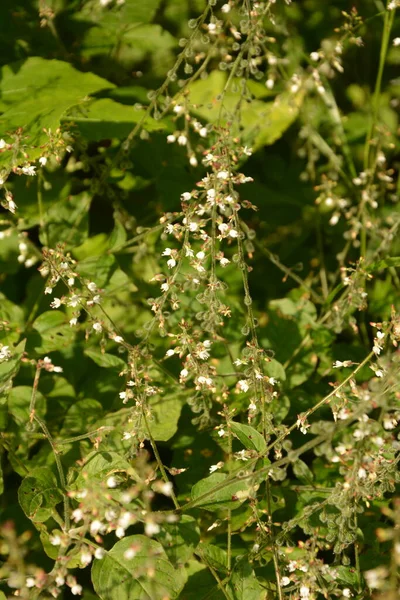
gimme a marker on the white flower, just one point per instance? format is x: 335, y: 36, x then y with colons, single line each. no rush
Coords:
x: 127, y: 435
x: 56, y: 303
x: 118, y: 339
x: 223, y: 175
x: 221, y: 432
x: 379, y: 373
x: 193, y: 161
x: 166, y: 488
x: 184, y: 373
x: 30, y: 170
x: 314, y: 56
x: 225, y: 8
x: 334, y: 219
x: 252, y: 406
x: 362, y: 473
x: 243, y: 385
x: 171, y: 263
x: 74, y: 300
x: 151, y: 528
x: 170, y: 352
x: 11, y: 205
x: 71, y: 281
x: 30, y: 582
x: 200, y: 255
x: 76, y: 589
x: 130, y: 553
x: 285, y: 581
x: 92, y: 287
x: 167, y: 252
x: 60, y: 580
x: 214, y: 468
x: 182, y: 140
x: 304, y: 592
x: 233, y: 233
x: 346, y: 593
x: 396, y: 42
x: 97, y: 327
x: 178, y: 109
x: 122, y: 395
x: 203, y: 132
x: 48, y: 290
x: 86, y: 557
x: 77, y: 515
x: 55, y: 540
x: 96, y: 526
x: 171, y: 139
x: 99, y: 553
x: 193, y: 226
x: 271, y: 380
x: 73, y: 321
x: 2, y: 144
x: 224, y: 261
x: 112, y: 482
x: 164, y: 287
x: 42, y: 160
x: 186, y: 196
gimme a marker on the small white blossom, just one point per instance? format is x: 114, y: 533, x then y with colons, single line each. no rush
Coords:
x: 112, y: 482
x: 30, y: 170
x: 221, y: 432
x: 97, y: 327
x: 74, y: 300
x: 214, y: 468
x: 396, y: 41
x: 171, y: 263
x: 285, y: 581
x: 99, y: 553
x: 43, y: 161
x: 186, y: 196
x: 243, y: 385
x: 171, y: 139
x: 77, y: 515
x: 92, y: 287
x: 76, y: 589
x: 182, y: 140
x: 73, y: 321
x: 56, y: 303
x: 151, y: 528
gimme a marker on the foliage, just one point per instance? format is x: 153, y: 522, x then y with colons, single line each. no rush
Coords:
x: 199, y: 309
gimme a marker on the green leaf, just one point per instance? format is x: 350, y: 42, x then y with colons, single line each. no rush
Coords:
x: 116, y: 577
x: 53, y: 332
x: 200, y: 583
x: 229, y: 497
x: 19, y: 400
x: 179, y: 539
x: 97, y: 268
x: 273, y: 368
x: 81, y: 417
x: 262, y: 123
x: 8, y: 370
x: 386, y: 263
x: 244, y: 585
x: 35, y: 95
x: 214, y: 556
x: 107, y: 119
x: 162, y: 428
x: 108, y: 361
x: 100, y: 465
x: 39, y: 493
x: 250, y: 438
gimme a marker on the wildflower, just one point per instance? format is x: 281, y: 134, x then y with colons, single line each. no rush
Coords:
x: 346, y: 593
x: 214, y: 468
x: 29, y: 170
x: 233, y: 233
x: 151, y: 528
x: 86, y: 557
x: 225, y: 8
x: 118, y: 339
x: 171, y: 263
x: 304, y: 592
x: 2, y: 144
x: 285, y: 581
x: 362, y: 473
x: 92, y: 287
x: 71, y: 281
x: 178, y: 109
x: 55, y: 540
x: 76, y: 589
x: 5, y: 354
x: 243, y: 385
x: 97, y: 327
x: 270, y: 83
x: 182, y: 140
x: 193, y: 161
x: 112, y: 482
x: 221, y: 432
x: 314, y: 56
x: 56, y: 303
x: 396, y: 41
x: 42, y: 161
x: 171, y: 139
x: 186, y: 196
x: 96, y: 526
x: 73, y: 321
x: 77, y: 515
x: 74, y: 300
x: 338, y: 364
x: 224, y: 261
x: 203, y: 132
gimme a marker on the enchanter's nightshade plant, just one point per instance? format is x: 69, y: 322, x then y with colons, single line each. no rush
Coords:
x: 199, y: 317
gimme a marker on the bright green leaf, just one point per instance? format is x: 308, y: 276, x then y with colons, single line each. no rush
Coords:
x: 39, y: 493
x: 250, y: 438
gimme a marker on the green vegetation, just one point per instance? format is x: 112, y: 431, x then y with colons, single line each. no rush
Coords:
x: 199, y: 300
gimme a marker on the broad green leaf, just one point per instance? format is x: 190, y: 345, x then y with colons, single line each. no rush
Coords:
x: 179, y: 539
x: 94, y: 246
x: 214, y: 556
x: 39, y: 493
x: 200, y: 583
x: 35, y: 95
x: 273, y: 368
x: 229, y: 497
x: 105, y: 360
x: 107, y: 119
x: 53, y: 332
x: 67, y: 221
x: 8, y: 370
x: 162, y: 428
x: 97, y: 269
x: 386, y: 263
x: 250, y: 438
x: 19, y: 400
x: 81, y: 417
x: 98, y: 466
x: 243, y: 585
x: 116, y: 577
x: 262, y: 123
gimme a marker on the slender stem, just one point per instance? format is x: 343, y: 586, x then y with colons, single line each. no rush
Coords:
x: 158, y: 458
